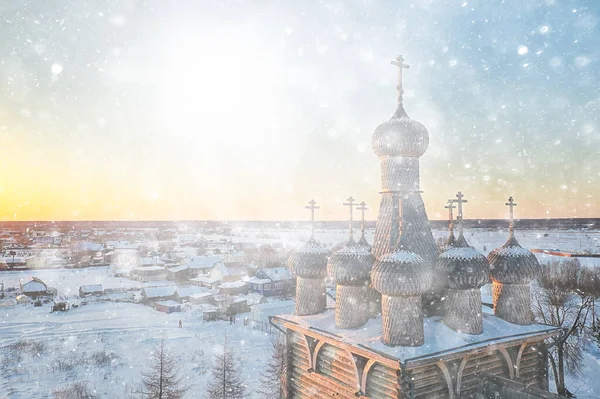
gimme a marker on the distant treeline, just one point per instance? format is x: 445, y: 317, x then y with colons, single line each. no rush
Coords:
x: 538, y: 224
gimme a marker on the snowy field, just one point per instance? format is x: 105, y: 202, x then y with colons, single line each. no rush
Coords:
x: 108, y: 344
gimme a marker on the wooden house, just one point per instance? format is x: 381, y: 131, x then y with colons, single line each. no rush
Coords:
x: 272, y: 281
x: 91, y: 290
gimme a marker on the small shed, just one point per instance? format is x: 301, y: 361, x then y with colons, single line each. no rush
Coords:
x: 209, y: 314
x: 201, y: 298
x: 91, y: 289
x: 184, y: 293
x: 167, y: 306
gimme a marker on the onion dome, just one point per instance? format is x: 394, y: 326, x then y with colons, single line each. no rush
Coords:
x: 450, y: 242
x: 462, y: 267
x: 401, y: 273
x: 350, y: 265
x: 362, y: 242
x: 513, y: 264
x: 309, y: 261
x: 400, y: 136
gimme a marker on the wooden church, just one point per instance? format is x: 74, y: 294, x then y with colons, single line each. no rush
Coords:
x: 408, y: 321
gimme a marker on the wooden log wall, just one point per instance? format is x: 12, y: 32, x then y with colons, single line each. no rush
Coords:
x: 319, y: 368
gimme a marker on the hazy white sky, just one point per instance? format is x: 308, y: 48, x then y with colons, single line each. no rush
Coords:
x: 248, y: 109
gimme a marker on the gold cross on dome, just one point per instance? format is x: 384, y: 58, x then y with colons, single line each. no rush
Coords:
x: 450, y: 207
x: 350, y: 204
x: 459, y: 201
x: 312, y: 206
x: 511, y: 203
x: 362, y: 207
x: 399, y: 62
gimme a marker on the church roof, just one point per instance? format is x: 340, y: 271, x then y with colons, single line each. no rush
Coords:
x: 309, y: 261
x: 440, y: 340
x: 350, y: 265
x: 512, y: 263
x: 400, y: 136
x: 401, y: 273
x: 462, y: 267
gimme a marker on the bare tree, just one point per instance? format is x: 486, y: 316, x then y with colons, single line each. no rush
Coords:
x: 226, y: 382
x: 163, y: 380
x: 272, y: 379
x: 563, y: 298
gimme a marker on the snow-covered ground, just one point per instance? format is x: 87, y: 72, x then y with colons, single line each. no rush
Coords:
x: 72, y: 344
x: 69, y: 344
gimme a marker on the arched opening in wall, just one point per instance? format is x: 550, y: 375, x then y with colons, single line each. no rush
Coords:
x: 429, y: 382
x: 493, y: 363
x: 381, y: 381
x: 299, y: 351
x: 531, y: 368
x: 336, y: 363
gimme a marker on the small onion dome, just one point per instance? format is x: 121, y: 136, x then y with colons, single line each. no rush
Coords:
x: 513, y: 264
x: 350, y: 265
x: 462, y: 267
x: 309, y: 261
x: 450, y: 242
x: 362, y: 242
x: 400, y: 136
x: 401, y: 273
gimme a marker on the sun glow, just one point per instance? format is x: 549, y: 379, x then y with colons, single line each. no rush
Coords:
x: 220, y: 90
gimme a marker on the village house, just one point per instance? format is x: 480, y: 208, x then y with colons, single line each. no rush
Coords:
x: 178, y: 273
x: 162, y: 293
x: 91, y: 290
x: 233, y: 288
x: 201, y: 264
x: 273, y: 281
x: 150, y: 273
x: 183, y: 294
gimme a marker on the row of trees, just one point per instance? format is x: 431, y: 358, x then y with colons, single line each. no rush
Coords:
x: 564, y: 296
x: 164, y: 380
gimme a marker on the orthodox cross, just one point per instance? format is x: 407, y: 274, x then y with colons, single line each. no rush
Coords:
x: 362, y: 207
x: 450, y: 207
x: 350, y: 204
x: 459, y: 201
x: 312, y: 206
x: 511, y: 203
x: 399, y: 62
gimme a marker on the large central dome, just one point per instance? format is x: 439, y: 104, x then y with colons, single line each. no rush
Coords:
x: 400, y: 136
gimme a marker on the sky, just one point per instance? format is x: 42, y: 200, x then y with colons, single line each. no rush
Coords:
x: 246, y: 110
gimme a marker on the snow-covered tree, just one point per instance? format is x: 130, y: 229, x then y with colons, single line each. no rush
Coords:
x: 225, y: 382
x: 163, y: 380
x: 272, y: 384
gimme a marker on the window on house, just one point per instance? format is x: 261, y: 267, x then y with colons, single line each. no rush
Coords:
x: 267, y: 287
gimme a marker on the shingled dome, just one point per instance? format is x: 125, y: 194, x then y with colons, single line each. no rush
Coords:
x: 513, y: 264
x: 309, y: 261
x: 401, y: 273
x: 350, y: 265
x: 363, y: 243
x: 400, y: 136
x: 462, y: 267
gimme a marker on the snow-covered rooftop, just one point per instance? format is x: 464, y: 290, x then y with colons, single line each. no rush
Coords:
x: 439, y: 339
x: 158, y: 292
x: 203, y: 262
x: 233, y: 284
x: 86, y: 289
x: 277, y: 273
x: 178, y: 269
